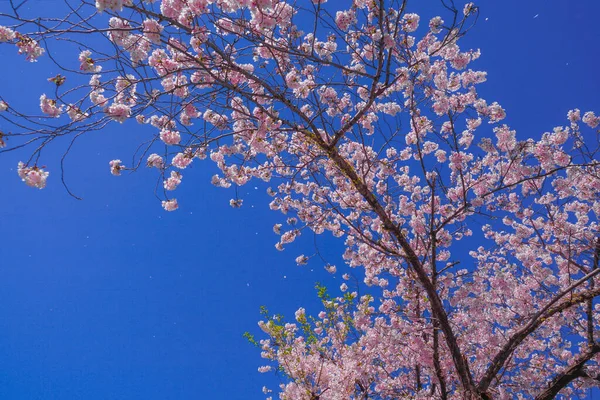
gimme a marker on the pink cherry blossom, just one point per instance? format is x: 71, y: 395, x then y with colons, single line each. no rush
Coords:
x: 156, y: 161
x: 119, y: 112
x: 590, y: 119
x: 48, y: 107
x: 29, y: 47
x: 152, y: 30
x: 411, y: 22
x: 344, y: 19
x: 170, y: 137
x: 469, y: 8
x: 116, y: 167
x: 32, y: 176
x: 236, y: 203
x: 6, y: 34
x: 173, y: 181
x: 301, y: 259
x: 75, y: 113
x: 182, y: 160
x: 87, y: 64
x: 170, y: 205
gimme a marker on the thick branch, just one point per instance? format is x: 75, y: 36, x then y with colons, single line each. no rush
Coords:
x: 571, y: 373
x: 538, y: 319
x: 437, y: 307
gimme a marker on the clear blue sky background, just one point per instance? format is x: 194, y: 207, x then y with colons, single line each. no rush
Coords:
x: 113, y: 298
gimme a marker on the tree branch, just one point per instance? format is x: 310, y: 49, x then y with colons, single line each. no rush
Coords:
x: 571, y: 373
x: 437, y: 306
x: 538, y: 319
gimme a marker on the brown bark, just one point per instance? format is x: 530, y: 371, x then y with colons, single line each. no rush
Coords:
x: 574, y: 371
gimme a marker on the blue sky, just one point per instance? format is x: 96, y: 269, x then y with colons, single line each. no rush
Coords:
x: 113, y: 298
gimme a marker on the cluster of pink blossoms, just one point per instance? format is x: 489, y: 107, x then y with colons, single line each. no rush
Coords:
x: 75, y: 113
x: 33, y: 176
x: 173, y: 181
x: 7, y: 34
x: 87, y: 63
x: 170, y: 137
x: 49, y: 107
x: 29, y: 47
x: 156, y: 161
x: 116, y: 166
x: 170, y: 205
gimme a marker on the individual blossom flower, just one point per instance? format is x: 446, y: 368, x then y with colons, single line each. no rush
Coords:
x: 75, y: 113
x: 119, y: 30
x: 300, y: 315
x: 116, y: 167
x: 292, y: 79
x: 559, y: 136
x: 473, y: 124
x: 435, y: 24
x: 496, y: 112
x: 289, y: 236
x: 87, y: 64
x: 343, y: 287
x: 182, y: 160
x: 200, y: 153
x: 429, y: 147
x: 561, y: 158
x: 301, y: 259
x: 152, y: 30
x: 220, y: 182
x: 95, y: 83
x: 469, y: 9
x: 98, y: 98
x: 170, y: 205
x: 466, y: 139
x: 574, y: 115
x: 156, y: 161
x: 173, y: 181
x: 410, y: 22
x: 29, y: 47
x: 6, y: 34
x: 2, y: 141
x: 291, y: 221
x: 48, y: 107
x: 440, y: 155
x: 344, y: 19
x: 119, y: 112
x: 590, y: 119
x: 506, y: 138
x: 32, y: 176
x: 218, y: 120
x: 3, y: 106
x: 170, y: 137
x: 330, y: 268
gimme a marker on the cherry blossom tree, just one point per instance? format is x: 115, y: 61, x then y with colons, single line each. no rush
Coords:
x: 479, y: 248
